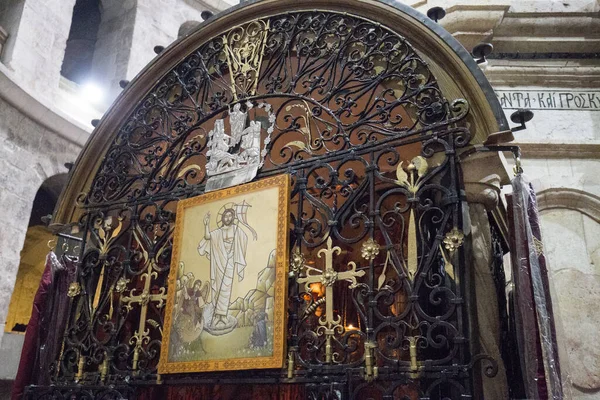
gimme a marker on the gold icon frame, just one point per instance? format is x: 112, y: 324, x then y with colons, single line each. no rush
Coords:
x: 278, y: 186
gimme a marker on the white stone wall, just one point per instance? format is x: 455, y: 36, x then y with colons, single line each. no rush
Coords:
x: 29, y: 153
x: 130, y: 29
x: 38, y: 45
x: 524, y: 26
x: 564, y: 122
x: 158, y: 28
x: 10, y: 16
x: 572, y: 246
x: 572, y: 242
x: 113, y: 47
x: 568, y: 188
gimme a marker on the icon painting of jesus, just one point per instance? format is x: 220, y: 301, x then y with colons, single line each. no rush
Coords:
x: 226, y: 299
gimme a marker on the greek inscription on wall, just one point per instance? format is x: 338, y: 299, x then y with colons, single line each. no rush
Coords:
x: 587, y: 100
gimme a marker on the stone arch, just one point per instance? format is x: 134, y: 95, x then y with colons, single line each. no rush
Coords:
x: 572, y: 199
x: 46, y: 198
x: 33, y: 253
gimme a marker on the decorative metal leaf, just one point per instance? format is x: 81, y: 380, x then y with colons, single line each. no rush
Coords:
x: 297, y: 143
x: 420, y: 164
x: 188, y: 168
x: 305, y: 131
x: 381, y: 279
x: 117, y: 230
x: 402, y: 175
x: 101, y: 233
x: 448, y: 267
x: 139, y: 240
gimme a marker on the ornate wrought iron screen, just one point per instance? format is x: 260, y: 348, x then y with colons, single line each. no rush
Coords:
x: 349, y: 110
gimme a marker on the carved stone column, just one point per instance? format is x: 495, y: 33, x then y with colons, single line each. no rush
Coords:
x: 482, y: 187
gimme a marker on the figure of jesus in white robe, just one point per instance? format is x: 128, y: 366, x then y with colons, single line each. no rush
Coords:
x: 225, y: 247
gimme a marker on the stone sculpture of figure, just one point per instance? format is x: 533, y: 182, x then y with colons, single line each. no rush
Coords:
x: 251, y: 144
x: 219, y: 144
x: 225, y: 247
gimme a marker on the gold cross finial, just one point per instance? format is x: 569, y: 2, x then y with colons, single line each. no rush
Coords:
x: 329, y: 324
x: 141, y: 335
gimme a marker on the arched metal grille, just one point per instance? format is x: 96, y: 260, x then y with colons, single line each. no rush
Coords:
x: 359, y: 122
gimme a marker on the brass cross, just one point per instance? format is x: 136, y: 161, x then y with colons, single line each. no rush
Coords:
x: 329, y: 324
x: 142, y: 335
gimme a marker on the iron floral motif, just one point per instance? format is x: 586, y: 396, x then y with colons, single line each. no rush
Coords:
x: 417, y: 166
x: 121, y: 285
x: 329, y: 277
x: 369, y: 249
x: 74, y: 289
x: 453, y: 240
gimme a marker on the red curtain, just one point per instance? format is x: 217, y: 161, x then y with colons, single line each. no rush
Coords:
x: 30, y: 344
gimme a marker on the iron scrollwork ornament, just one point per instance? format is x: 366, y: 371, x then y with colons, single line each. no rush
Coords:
x: 351, y: 111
